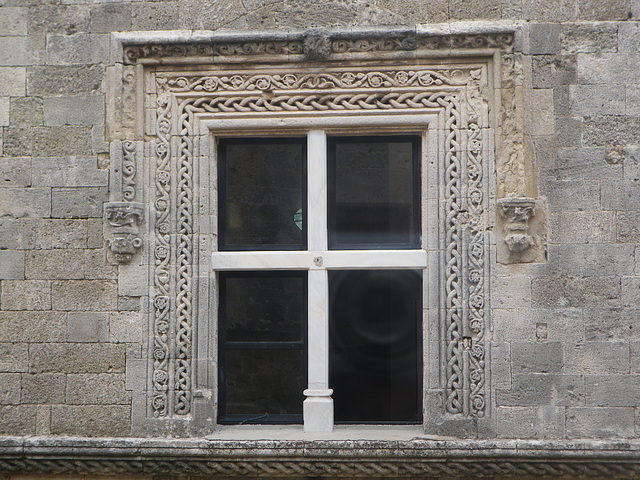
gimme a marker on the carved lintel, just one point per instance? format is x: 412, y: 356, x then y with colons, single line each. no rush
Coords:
x: 123, y: 220
x: 517, y: 211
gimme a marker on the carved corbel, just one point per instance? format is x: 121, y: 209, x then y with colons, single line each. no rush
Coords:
x: 123, y: 220
x: 523, y: 230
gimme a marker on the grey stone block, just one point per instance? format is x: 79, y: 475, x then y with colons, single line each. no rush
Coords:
x: 4, y: 111
x: 10, y: 389
x: 26, y: 295
x: 80, y: 202
x: 11, y: 265
x: 589, y: 37
x: 61, y: 19
x: 582, y: 164
x: 530, y: 422
x: 620, y: 195
x: 561, y: 104
x: 13, y: 21
x: 412, y: 12
x: 125, y: 327
x: 61, y: 233
x: 19, y: 51
x: 635, y: 356
x: 89, y: 295
x: 43, y: 388
x: 543, y: 389
x: 25, y: 202
x: 630, y: 291
x: 110, y: 17
x: 64, y: 80
x: 14, y: 357
x: 538, y: 114
x: 91, y: 420
x: 597, y: 357
x: 43, y: 420
x: 76, y: 358
x: 97, y: 389
x: 568, y: 132
x: 596, y: 259
x: 460, y: 9
x: 613, y: 390
x: 15, y: 172
x: 95, y: 238
x: 68, y: 172
x: 501, y: 365
x: 610, y: 130
x: 77, y: 49
x: 611, y: 323
x: 544, y: 38
x: 572, y: 292
x: 12, y: 81
x: 544, y: 151
x: 609, y: 68
x: 74, y: 110
x: 136, y: 375
x: 632, y: 106
x: 512, y: 292
x: 88, y: 327
x: 47, y: 141
x: 629, y: 37
x: 18, y: 419
x: 603, y: 9
x: 583, y: 227
x: 32, y: 326
x: 562, y: 324
x: 549, y: 71
x: 159, y: 16
x: 536, y: 357
x: 600, y: 422
x: 589, y: 100
x: 561, y: 11
x: 570, y: 194
x: 16, y: 234
x: 26, y: 112
x: 98, y: 143
x: 130, y: 304
x: 73, y: 264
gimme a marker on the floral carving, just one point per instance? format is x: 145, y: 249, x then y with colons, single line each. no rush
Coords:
x: 124, y: 219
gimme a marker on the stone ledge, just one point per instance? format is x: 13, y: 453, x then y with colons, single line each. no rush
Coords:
x: 416, y: 458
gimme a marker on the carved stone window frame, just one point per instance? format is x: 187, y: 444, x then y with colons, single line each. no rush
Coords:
x: 167, y: 89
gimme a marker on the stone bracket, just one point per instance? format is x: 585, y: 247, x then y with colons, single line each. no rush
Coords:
x: 123, y: 220
x: 520, y: 238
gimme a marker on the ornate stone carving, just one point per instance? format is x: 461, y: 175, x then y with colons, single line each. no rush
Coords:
x: 124, y: 219
x: 517, y: 211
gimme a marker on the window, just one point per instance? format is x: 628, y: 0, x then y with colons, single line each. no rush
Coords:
x: 320, y: 279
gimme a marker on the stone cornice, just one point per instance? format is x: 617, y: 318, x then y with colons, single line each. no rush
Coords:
x: 321, y: 458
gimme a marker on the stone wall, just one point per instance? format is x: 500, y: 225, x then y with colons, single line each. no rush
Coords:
x: 565, y: 332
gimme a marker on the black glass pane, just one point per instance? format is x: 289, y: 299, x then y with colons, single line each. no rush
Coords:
x: 262, y: 193
x: 263, y: 307
x: 374, y: 192
x: 261, y: 382
x: 374, y: 345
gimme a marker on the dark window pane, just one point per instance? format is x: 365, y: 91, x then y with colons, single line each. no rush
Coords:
x: 375, y: 345
x: 264, y: 381
x: 374, y: 192
x: 262, y: 193
x: 263, y: 307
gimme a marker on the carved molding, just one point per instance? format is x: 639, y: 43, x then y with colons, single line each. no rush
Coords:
x: 124, y: 219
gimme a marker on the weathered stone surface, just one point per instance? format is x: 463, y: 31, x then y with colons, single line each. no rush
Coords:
x: 613, y: 390
x: 540, y: 357
x: 544, y: 389
x: 13, y: 21
x: 10, y: 389
x: 161, y: 16
x: 68, y: 264
x: 12, y: 81
x: 635, y: 356
x: 18, y: 420
x: 610, y: 130
x: 128, y: 303
x: 25, y: 326
x: 600, y: 422
x: 592, y: 100
x: 459, y: 9
x: 564, y: 291
x: 125, y: 327
x: 570, y: 194
x: 609, y: 68
x: 110, y: 17
x: 90, y: 295
x: 61, y: 233
x: 81, y: 202
x: 416, y: 12
x: 77, y: 49
x: 19, y: 51
x: 76, y: 358
x: 568, y: 132
x: 43, y: 388
x: 103, y: 420
x: 595, y: 260
x: 14, y: 357
x: 589, y: 37
x: 64, y: 80
x: 552, y: 70
x: 26, y: 295
x: 61, y: 19
x: 628, y: 37
x: 584, y: 227
x: 26, y: 112
x: 74, y: 110
x: 562, y: 325
x: 544, y: 38
x: 611, y: 323
x: 603, y: 9
x: 47, y: 141
x: 597, y: 357
x: 11, y: 265
x: 68, y: 172
x: 631, y: 292
x: 582, y: 164
x: 530, y: 422
x: 15, y: 234
x: 97, y: 389
x: 620, y: 195
x: 538, y: 119
x: 88, y: 327
x: 4, y: 111
x: 25, y: 202
x: 15, y: 172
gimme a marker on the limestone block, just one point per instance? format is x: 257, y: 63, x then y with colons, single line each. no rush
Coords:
x: 97, y: 389
x: 609, y: 68
x: 32, y: 326
x: 631, y: 292
x: 12, y: 81
x: 80, y: 202
x: 89, y: 295
x: 589, y: 37
x: 19, y: 51
x: 91, y: 420
x: 77, y: 49
x: 125, y: 327
x: 16, y: 234
x: 635, y: 356
x: 47, y: 141
x: 74, y: 110
x: 596, y: 259
x: 544, y: 389
x: 618, y: 195
x: 13, y: 21
x: 61, y: 233
x: 10, y: 389
x: 611, y: 323
x: 597, y: 357
x: 549, y: 71
x: 560, y: 11
x: 629, y: 37
x: 511, y: 292
x: 4, y: 111
x: 18, y: 419
x: 583, y: 227
x: 632, y: 106
x: 68, y: 172
x: 25, y: 202
x: 88, y: 327
x: 597, y: 99
x: 575, y: 292
x: 128, y: 304
x: 133, y: 280
x: 95, y: 238
x: 136, y: 376
x: 26, y: 112
x: 600, y: 422
x: 15, y: 172
x: 159, y: 16
x: 538, y: 113
x: 110, y: 17
x: 459, y: 9
x: 43, y: 388
x: 26, y: 295
x: 568, y: 132
x: 536, y: 357
x: 76, y: 358
x: 613, y: 390
x: 531, y: 422
x: 544, y: 38
x: 43, y: 420
x: 561, y: 104
x: 413, y: 12
x: 64, y: 80
x: 14, y: 357
x: 98, y: 143
x: 11, y: 264
x: 564, y: 325
x: 544, y: 151
x: 71, y: 264
x: 63, y: 19
x: 501, y: 365
x: 603, y: 9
